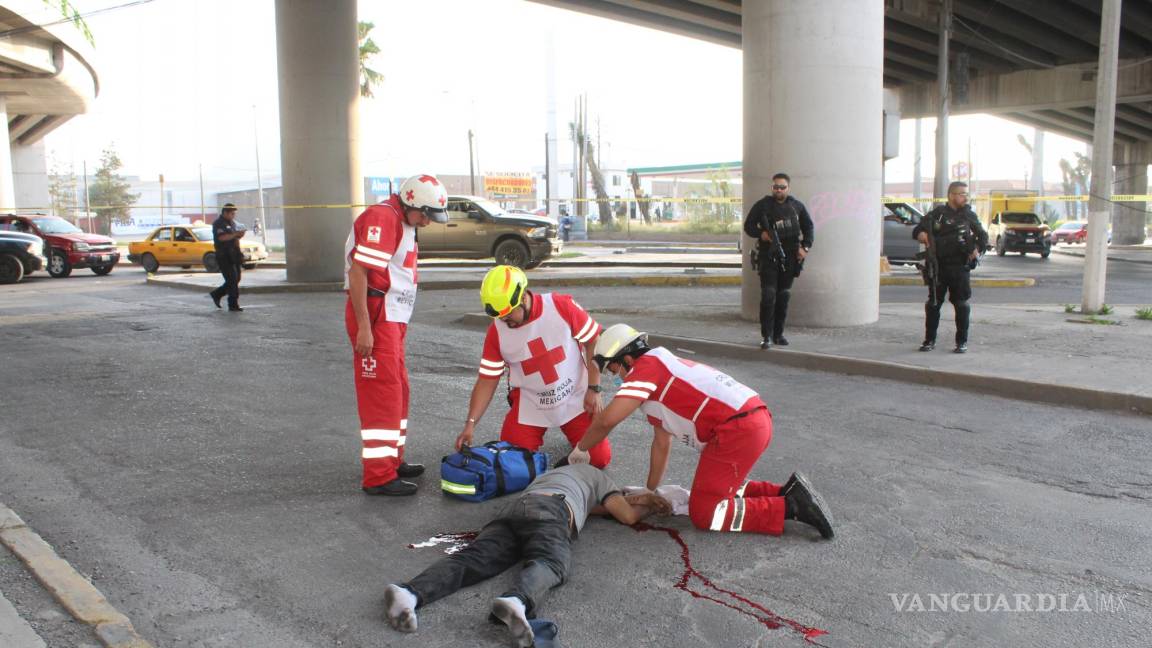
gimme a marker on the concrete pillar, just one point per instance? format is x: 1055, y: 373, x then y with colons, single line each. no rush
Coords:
x: 797, y: 120
x: 318, y: 71
x: 7, y: 190
x: 1129, y: 219
x: 30, y: 177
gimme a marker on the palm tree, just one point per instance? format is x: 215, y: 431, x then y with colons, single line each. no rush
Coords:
x: 369, y: 78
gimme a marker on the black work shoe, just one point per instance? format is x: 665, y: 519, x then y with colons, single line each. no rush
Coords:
x: 780, y: 340
x: 397, y: 487
x: 765, y: 343
x: 927, y: 345
x: 788, y: 485
x: 961, y: 348
x: 235, y: 309
x: 808, y: 507
x: 407, y: 470
x: 215, y: 299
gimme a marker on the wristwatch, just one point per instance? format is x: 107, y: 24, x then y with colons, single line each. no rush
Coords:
x: 595, y: 388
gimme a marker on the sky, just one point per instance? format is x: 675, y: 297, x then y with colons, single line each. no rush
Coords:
x: 190, y: 85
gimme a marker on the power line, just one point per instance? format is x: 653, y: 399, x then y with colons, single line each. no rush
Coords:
x: 72, y: 19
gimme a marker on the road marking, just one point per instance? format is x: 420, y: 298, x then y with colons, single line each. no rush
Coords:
x: 72, y: 590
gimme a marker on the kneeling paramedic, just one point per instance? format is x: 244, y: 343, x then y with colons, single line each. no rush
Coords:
x: 708, y: 410
x: 536, y: 529
x: 545, y: 342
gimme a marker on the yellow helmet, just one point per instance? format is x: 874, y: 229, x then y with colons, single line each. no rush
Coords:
x: 503, y: 290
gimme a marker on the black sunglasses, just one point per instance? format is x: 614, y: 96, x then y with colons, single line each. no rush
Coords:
x: 780, y: 187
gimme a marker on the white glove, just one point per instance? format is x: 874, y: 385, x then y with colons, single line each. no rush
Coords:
x: 578, y: 456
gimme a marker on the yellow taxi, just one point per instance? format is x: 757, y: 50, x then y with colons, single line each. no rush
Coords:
x: 186, y: 246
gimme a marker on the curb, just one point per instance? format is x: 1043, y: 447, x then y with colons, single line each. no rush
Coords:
x: 1012, y: 388
x: 685, y: 280
x: 1082, y: 255
x: 79, y: 596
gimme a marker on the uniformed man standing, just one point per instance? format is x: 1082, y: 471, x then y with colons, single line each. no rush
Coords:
x: 226, y: 235
x: 380, y: 260
x: 955, y: 238
x: 784, y: 234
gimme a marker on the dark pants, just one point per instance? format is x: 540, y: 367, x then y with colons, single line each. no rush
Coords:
x: 231, y: 285
x: 951, y: 282
x: 775, y: 292
x: 533, y: 530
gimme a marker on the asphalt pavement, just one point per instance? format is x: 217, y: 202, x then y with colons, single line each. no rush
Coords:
x: 200, y: 469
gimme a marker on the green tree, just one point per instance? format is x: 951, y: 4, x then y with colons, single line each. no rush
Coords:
x: 109, y: 193
x: 62, y: 191
x: 1075, y: 180
x: 369, y: 78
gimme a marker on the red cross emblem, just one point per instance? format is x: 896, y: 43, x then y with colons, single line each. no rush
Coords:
x: 409, y: 195
x: 428, y: 178
x: 442, y: 201
x: 544, y: 361
x: 410, y: 259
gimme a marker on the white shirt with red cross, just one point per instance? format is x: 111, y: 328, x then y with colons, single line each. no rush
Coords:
x: 544, y: 359
x: 383, y: 244
x: 686, y: 398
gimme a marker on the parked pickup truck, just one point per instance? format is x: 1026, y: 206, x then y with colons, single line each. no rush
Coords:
x: 478, y: 228
x: 1021, y: 232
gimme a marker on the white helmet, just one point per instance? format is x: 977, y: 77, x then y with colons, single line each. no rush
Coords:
x: 424, y: 192
x: 618, y: 341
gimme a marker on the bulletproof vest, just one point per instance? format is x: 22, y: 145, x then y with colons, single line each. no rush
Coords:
x: 784, y: 221
x: 953, y: 235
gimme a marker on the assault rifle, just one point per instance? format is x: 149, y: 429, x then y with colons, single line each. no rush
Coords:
x: 928, y: 264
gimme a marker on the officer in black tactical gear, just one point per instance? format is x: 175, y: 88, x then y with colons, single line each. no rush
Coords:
x: 955, y: 238
x: 783, y: 230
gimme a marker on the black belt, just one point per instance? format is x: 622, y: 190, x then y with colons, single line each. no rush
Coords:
x: 745, y: 413
x: 372, y: 292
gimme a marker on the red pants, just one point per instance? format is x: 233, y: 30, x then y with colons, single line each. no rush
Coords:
x: 532, y: 436
x: 720, y: 500
x: 381, y: 394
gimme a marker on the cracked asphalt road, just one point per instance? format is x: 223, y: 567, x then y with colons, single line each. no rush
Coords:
x: 202, y: 469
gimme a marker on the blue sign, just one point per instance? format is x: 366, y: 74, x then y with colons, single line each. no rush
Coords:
x: 383, y: 185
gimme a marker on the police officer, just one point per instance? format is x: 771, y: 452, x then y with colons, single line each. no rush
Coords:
x: 784, y: 233
x: 226, y: 235
x: 955, y: 238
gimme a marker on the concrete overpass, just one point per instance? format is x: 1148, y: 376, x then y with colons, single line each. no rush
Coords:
x: 815, y: 73
x: 46, y: 78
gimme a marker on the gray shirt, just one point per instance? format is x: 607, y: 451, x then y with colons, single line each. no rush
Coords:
x: 583, y: 487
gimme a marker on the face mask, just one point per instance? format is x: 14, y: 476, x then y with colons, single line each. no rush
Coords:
x: 617, y: 381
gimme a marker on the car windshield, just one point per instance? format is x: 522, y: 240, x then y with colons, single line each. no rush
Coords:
x: 56, y: 225
x: 492, y: 208
x: 1071, y: 226
x: 203, y: 233
x: 1021, y: 218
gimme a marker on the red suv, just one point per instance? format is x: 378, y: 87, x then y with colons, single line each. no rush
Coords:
x: 69, y: 247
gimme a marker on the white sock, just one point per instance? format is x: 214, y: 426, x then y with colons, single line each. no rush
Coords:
x: 400, y: 608
x: 511, y: 610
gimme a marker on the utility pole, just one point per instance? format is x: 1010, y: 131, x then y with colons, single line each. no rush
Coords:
x: 917, y: 180
x: 161, y: 198
x: 547, y: 174
x: 200, y: 167
x: 1099, y: 203
x: 87, y: 210
x: 259, y: 180
x: 471, y: 168
x: 940, y: 185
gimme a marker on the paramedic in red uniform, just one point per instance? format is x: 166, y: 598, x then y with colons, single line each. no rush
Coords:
x: 545, y: 342
x: 380, y: 259
x: 701, y: 407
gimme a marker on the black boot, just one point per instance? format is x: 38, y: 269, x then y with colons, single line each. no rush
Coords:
x: 395, y: 488
x: 407, y: 470
x: 807, y: 506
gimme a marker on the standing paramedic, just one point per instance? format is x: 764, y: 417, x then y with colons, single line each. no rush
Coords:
x: 380, y: 259
x: 545, y: 342
x: 703, y: 408
x: 783, y: 231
